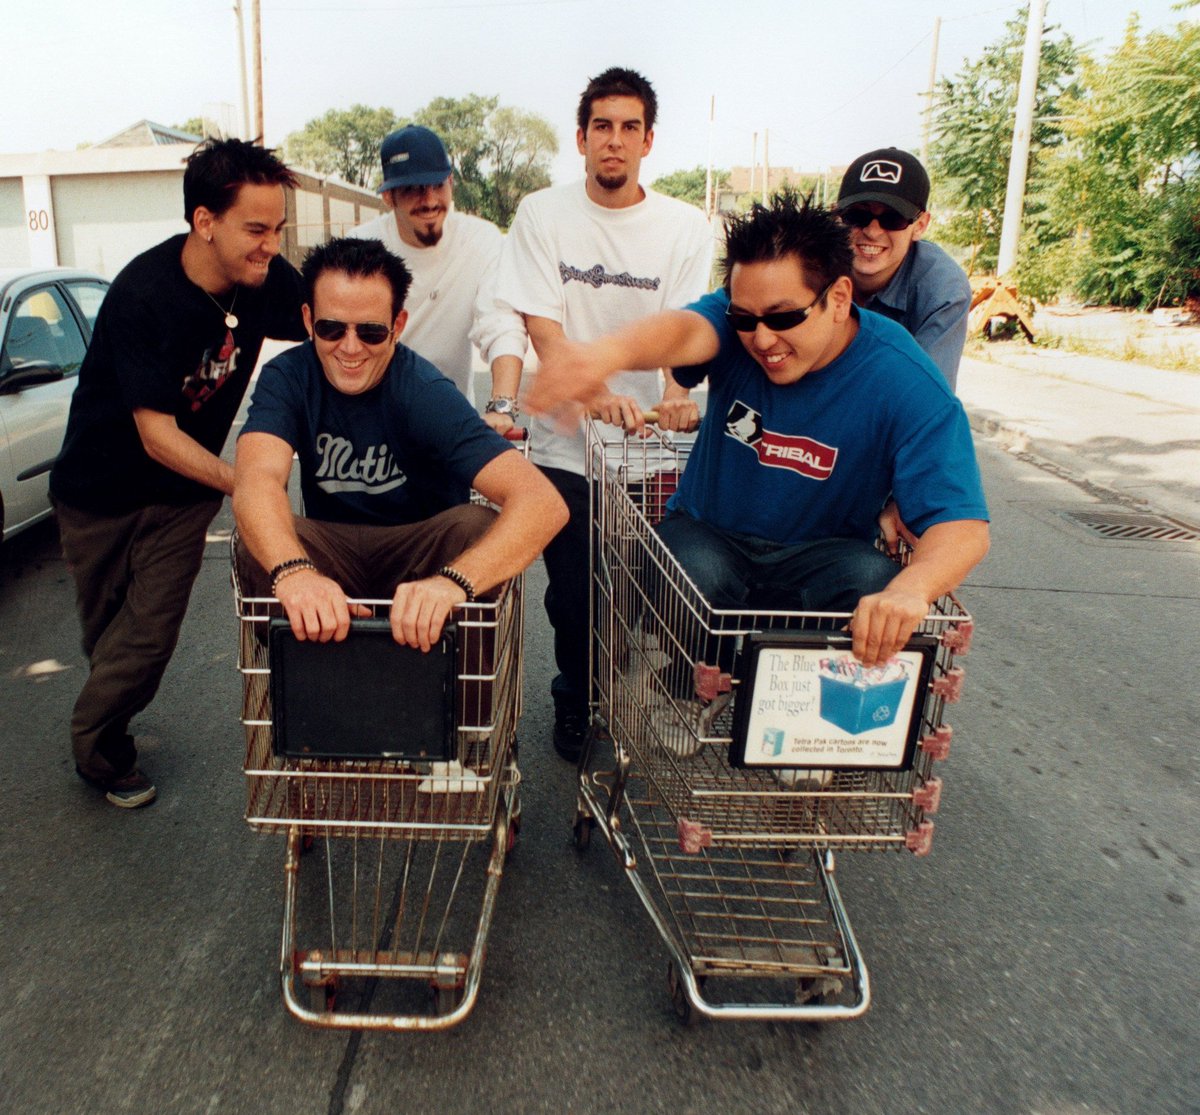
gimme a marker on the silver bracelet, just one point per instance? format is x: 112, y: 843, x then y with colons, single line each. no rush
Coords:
x: 286, y: 569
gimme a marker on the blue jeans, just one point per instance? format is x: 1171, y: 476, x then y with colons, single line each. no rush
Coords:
x: 740, y: 571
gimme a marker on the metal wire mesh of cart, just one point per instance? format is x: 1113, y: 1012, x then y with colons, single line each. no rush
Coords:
x: 666, y: 687
x: 383, y: 797
x: 750, y: 912
x: 401, y: 922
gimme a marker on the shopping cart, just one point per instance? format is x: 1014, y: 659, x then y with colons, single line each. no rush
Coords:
x: 732, y: 753
x: 400, y: 813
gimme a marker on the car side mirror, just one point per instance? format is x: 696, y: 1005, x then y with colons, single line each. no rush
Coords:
x: 30, y: 375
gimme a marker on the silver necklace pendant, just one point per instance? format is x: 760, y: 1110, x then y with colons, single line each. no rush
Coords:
x: 231, y: 321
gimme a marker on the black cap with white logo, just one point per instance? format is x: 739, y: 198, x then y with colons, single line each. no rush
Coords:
x: 890, y: 176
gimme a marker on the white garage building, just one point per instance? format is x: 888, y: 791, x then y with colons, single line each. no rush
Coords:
x: 98, y: 207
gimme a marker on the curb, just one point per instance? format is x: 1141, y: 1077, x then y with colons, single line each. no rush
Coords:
x: 1012, y: 439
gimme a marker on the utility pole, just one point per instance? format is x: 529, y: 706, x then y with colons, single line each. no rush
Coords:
x: 241, y: 49
x: 937, y: 31
x: 1018, y: 164
x: 708, y: 176
x: 753, y: 162
x: 766, y: 163
x: 256, y: 25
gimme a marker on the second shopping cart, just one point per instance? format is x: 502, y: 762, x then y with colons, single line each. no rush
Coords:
x: 733, y: 753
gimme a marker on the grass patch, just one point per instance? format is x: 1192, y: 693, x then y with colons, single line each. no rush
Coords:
x: 1169, y: 359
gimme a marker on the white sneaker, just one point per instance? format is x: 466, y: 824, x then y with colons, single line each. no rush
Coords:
x: 677, y: 727
x: 803, y: 779
x: 450, y: 778
x: 682, y: 725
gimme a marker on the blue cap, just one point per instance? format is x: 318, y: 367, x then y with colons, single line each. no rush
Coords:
x: 413, y: 156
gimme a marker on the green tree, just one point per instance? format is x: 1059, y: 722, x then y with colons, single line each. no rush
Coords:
x: 519, y: 153
x: 1125, y: 190
x: 973, y: 125
x: 691, y: 185
x: 193, y: 125
x: 498, y: 154
x: 461, y: 122
x: 344, y: 142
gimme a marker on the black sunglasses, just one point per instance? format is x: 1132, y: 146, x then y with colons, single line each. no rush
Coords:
x: 776, y: 321
x: 889, y: 219
x: 369, y: 332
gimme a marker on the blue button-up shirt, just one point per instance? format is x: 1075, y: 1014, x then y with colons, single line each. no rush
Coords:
x: 930, y: 296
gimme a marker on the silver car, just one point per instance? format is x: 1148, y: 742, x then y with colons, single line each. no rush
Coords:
x: 46, y: 319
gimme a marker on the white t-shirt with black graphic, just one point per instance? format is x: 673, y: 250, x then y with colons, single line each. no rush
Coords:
x: 594, y: 270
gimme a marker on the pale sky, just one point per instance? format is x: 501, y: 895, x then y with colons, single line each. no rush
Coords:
x: 827, y: 81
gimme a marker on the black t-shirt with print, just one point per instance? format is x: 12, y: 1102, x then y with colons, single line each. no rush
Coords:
x: 161, y: 343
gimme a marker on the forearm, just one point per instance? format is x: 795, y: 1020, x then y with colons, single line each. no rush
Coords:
x: 578, y: 372
x: 520, y: 533
x: 942, y: 558
x: 506, y: 376
x: 672, y: 388
x: 531, y: 514
x: 671, y: 338
x: 883, y: 622
x: 265, y: 522
x: 170, y: 447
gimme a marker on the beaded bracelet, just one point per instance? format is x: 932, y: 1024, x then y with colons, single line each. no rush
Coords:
x: 286, y: 569
x: 460, y: 579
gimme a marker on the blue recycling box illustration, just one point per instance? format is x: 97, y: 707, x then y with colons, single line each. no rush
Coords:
x: 858, y: 699
x: 772, y: 741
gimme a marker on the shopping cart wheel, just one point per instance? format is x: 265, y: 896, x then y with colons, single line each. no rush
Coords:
x: 583, y: 831
x: 684, y: 1010
x: 322, y: 995
x: 810, y: 990
x: 444, y: 1000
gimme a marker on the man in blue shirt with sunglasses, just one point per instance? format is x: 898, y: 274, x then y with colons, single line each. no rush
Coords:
x: 817, y: 410
x: 388, y: 450
x: 884, y: 200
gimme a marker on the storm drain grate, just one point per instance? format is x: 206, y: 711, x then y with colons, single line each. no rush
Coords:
x: 1133, y: 526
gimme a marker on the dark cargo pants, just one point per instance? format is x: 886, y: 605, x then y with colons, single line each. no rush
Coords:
x: 133, y: 579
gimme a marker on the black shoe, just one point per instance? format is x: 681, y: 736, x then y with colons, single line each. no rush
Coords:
x: 570, y: 726
x: 131, y: 791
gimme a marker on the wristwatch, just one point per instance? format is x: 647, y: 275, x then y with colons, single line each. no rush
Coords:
x: 503, y: 404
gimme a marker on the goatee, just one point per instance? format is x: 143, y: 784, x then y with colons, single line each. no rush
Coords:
x: 611, y: 182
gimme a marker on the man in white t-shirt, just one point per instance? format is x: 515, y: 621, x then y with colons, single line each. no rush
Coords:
x: 580, y: 261
x: 452, y: 257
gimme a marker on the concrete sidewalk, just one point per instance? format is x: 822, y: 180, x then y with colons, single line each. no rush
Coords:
x: 1128, y: 427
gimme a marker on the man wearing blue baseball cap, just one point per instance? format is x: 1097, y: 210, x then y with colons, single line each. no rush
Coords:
x: 884, y: 201
x: 452, y: 257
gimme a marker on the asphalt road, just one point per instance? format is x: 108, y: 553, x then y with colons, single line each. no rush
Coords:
x: 1043, y: 959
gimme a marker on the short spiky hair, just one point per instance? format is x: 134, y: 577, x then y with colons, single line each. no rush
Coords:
x: 616, y: 82
x: 793, y: 226
x: 359, y: 259
x: 218, y: 168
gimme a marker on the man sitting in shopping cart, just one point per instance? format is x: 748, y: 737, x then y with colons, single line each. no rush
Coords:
x: 817, y: 411
x: 389, y: 450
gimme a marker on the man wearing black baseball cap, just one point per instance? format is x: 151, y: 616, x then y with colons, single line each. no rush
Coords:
x: 452, y: 257
x: 883, y: 200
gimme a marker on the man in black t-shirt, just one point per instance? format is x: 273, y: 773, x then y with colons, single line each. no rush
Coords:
x: 140, y: 477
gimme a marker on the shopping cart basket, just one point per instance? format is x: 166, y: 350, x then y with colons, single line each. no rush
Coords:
x: 746, y: 748
x: 400, y: 816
